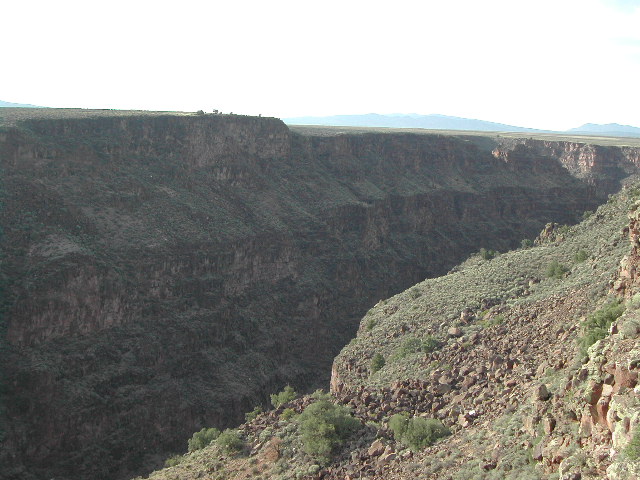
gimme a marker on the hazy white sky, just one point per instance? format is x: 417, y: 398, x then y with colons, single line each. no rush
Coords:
x: 546, y: 64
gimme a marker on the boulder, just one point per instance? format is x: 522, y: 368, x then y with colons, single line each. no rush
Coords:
x: 454, y: 332
x: 541, y: 393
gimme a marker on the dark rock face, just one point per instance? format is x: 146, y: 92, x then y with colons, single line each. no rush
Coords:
x: 168, y: 273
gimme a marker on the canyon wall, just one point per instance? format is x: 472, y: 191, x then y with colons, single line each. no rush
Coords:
x: 164, y: 273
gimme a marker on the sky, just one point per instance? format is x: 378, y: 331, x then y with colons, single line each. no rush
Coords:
x: 548, y: 64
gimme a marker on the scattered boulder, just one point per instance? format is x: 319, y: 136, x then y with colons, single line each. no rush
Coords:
x: 454, y: 332
x: 541, y: 393
x: 376, y: 449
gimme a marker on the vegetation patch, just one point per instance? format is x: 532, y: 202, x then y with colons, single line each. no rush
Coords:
x: 487, y: 254
x: 325, y: 426
x: 251, y: 416
x: 555, y: 270
x: 416, y: 432
x: 632, y: 450
x: 229, y: 441
x: 596, y: 326
x: 580, y: 256
x: 377, y: 362
x: 203, y: 438
x: 285, y: 396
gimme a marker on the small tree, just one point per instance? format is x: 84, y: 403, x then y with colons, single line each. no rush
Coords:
x: 324, y: 427
x: 251, y: 416
x: 526, y: 243
x: 285, y: 396
x: 487, y: 254
x: 230, y: 441
x: 201, y: 439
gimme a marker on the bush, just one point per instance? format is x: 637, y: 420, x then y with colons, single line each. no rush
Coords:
x: 556, y: 270
x: 596, y: 326
x: 398, y: 424
x: 526, y: 243
x: 487, y: 254
x: 377, y: 362
x: 251, y: 416
x: 632, y: 450
x: 429, y: 344
x: 230, y: 441
x: 324, y: 426
x: 173, y: 460
x: 371, y: 323
x: 287, y: 414
x: 580, y: 256
x: 417, y: 432
x: 201, y: 439
x: 285, y: 396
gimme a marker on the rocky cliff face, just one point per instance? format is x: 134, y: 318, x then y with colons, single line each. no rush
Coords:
x: 169, y: 272
x: 601, y: 166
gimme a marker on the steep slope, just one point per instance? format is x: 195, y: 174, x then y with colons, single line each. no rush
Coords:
x: 496, y: 350
x: 167, y: 272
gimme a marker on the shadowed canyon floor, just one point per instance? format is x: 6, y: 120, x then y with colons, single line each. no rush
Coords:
x: 167, y: 272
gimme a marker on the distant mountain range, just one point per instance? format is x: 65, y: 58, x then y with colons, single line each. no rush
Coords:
x: 444, y: 122
x: 15, y: 105
x: 435, y: 122
x: 609, y: 130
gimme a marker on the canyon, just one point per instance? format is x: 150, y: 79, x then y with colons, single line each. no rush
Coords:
x: 166, y: 272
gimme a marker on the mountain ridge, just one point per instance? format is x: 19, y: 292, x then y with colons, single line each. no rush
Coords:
x: 446, y: 122
x: 4, y: 104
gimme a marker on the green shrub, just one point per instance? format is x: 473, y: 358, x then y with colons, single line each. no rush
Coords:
x: 285, y: 396
x: 371, y: 323
x: 487, y: 254
x: 173, y: 460
x: 230, y: 441
x: 580, y: 256
x: 398, y: 424
x: 526, y: 243
x: 251, y: 416
x: 429, y: 344
x: 490, y: 322
x: 287, y: 414
x: 377, y: 362
x: 587, y: 214
x: 409, y: 346
x: 325, y: 426
x: 201, y: 439
x: 596, y: 326
x: 556, y: 270
x: 417, y: 432
x: 320, y: 394
x: 632, y: 450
